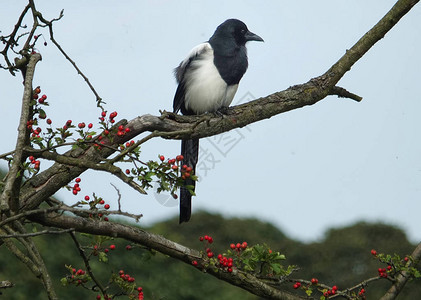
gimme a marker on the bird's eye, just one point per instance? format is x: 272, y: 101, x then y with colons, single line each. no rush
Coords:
x: 243, y: 31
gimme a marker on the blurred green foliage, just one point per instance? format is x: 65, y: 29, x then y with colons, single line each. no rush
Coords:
x: 341, y: 258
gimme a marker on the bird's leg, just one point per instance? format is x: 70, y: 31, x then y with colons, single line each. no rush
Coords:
x: 222, y: 111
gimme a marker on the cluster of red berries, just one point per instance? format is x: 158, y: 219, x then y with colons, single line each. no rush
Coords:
x: 110, y: 117
x: 238, y: 247
x: 35, y: 162
x: 185, y: 170
x: 83, y: 125
x: 296, y: 285
x: 225, y: 263
x: 35, y: 95
x: 127, y: 145
x: 78, y: 276
x: 209, y: 239
x: 383, y: 272
x: 362, y: 292
x: 125, y: 277
x: 97, y: 201
x: 122, y: 130
x: 331, y: 292
x: 76, y: 186
x: 97, y: 248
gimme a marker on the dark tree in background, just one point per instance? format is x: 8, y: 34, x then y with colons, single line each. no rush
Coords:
x: 89, y: 229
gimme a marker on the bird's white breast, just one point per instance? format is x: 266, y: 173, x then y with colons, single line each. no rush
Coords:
x: 206, y: 91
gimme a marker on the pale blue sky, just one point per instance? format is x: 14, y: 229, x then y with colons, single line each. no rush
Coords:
x: 329, y: 164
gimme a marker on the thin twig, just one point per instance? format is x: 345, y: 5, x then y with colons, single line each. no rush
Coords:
x: 16, y: 235
x: 86, y: 261
x: 119, y: 196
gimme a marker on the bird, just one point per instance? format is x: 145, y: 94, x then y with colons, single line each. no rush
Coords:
x: 207, y: 81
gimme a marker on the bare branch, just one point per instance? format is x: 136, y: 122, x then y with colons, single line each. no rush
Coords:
x: 9, y: 191
x: 43, y: 232
x: 11, y: 40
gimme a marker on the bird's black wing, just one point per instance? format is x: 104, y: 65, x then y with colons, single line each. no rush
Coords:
x: 180, y: 73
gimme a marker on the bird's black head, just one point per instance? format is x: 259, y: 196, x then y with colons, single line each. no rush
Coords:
x: 233, y: 29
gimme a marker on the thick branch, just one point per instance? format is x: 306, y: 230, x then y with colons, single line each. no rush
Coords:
x: 9, y: 192
x: 167, y: 247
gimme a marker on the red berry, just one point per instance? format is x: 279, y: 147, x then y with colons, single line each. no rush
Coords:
x: 334, y: 288
x: 106, y: 206
x: 104, y: 113
x: 112, y: 247
x: 41, y: 101
x: 373, y: 252
x: 206, y: 237
x: 210, y: 240
x: 81, y: 125
x: 210, y: 254
x: 162, y: 157
x: 101, y: 201
x: 406, y: 259
x: 121, y: 272
x: 69, y: 122
x: 179, y: 157
x: 127, y: 129
x: 87, y: 198
x: 90, y: 125
x: 238, y: 245
x: 194, y: 263
x: 128, y: 247
x: 106, y: 219
x: 127, y: 171
x: 49, y: 121
x: 229, y: 270
x: 174, y: 167
x: 31, y: 158
x: 314, y: 281
x: 244, y: 245
x: 389, y: 268
x: 232, y: 246
x: 201, y: 238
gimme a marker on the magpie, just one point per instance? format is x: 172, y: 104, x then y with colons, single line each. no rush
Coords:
x: 207, y: 82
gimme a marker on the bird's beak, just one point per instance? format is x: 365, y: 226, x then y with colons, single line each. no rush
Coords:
x: 250, y: 36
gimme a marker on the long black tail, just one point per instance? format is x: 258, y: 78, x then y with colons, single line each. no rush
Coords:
x: 190, y: 151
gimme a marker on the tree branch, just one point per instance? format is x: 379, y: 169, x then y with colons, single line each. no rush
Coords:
x: 167, y: 247
x: 403, y: 278
x: 10, y: 193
